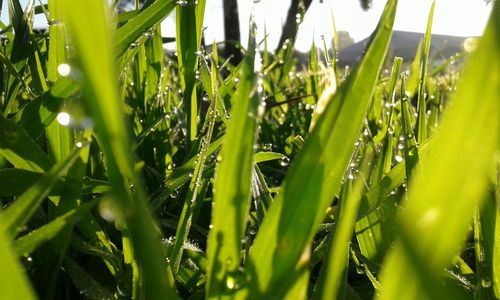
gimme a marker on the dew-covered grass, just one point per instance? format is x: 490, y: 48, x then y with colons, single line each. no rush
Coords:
x: 129, y: 172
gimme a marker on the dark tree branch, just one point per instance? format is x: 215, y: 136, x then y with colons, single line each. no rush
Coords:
x: 290, y: 28
x: 232, y: 31
x: 366, y: 4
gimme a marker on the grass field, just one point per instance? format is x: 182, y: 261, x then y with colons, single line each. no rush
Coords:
x: 127, y: 173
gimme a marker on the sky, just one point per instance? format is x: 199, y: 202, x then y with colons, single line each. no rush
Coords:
x: 451, y: 17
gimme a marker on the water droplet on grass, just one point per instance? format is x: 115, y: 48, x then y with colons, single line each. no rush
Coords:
x: 360, y: 270
x: 182, y: 3
x: 284, y: 161
x: 485, y: 282
x: 174, y: 194
x: 63, y: 118
x: 64, y: 70
x: 231, y: 282
x: 252, y: 230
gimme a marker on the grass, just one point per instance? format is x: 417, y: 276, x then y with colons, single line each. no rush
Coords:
x: 187, y: 177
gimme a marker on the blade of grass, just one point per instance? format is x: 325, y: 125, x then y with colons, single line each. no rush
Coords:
x: 496, y: 242
x: 38, y: 114
x: 232, y: 184
x: 305, y: 195
x: 189, y: 18
x: 333, y: 277
x: 135, y: 27
x: 414, y: 73
x: 85, y: 283
x: 14, y: 284
x: 428, y: 237
x: 195, y: 191
x: 20, y: 211
x: 19, y: 149
x: 57, y: 49
x: 93, y: 41
x: 28, y: 243
x: 422, y: 103
x: 410, y: 143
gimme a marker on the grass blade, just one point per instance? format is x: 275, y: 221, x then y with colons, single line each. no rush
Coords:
x: 29, y: 242
x: 189, y: 18
x: 232, y: 185
x: 19, y: 212
x: 332, y: 282
x: 422, y: 102
x: 135, y: 27
x: 428, y: 237
x: 297, y: 211
x: 19, y: 149
x: 93, y: 43
x: 14, y: 284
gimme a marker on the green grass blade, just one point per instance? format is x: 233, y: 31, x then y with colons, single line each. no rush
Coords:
x: 19, y: 212
x: 316, y: 174
x: 19, y: 149
x: 57, y: 49
x: 14, y: 284
x: 85, y: 283
x: 38, y: 114
x: 267, y: 156
x: 26, y: 244
x: 484, y: 238
x: 496, y: 239
x: 414, y: 73
x: 410, y: 143
x: 232, y: 184
x: 332, y: 282
x: 422, y: 102
x: 429, y: 238
x: 93, y: 43
x: 195, y: 190
x: 135, y: 27
x: 189, y: 18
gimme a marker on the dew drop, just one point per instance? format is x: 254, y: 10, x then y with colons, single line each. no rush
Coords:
x: 174, y: 194
x: 231, y: 282
x: 360, y: 270
x: 63, y: 118
x: 64, y: 70
x: 252, y: 230
x: 182, y: 3
x: 267, y: 147
x: 485, y: 282
x: 284, y: 161
x: 106, y: 211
